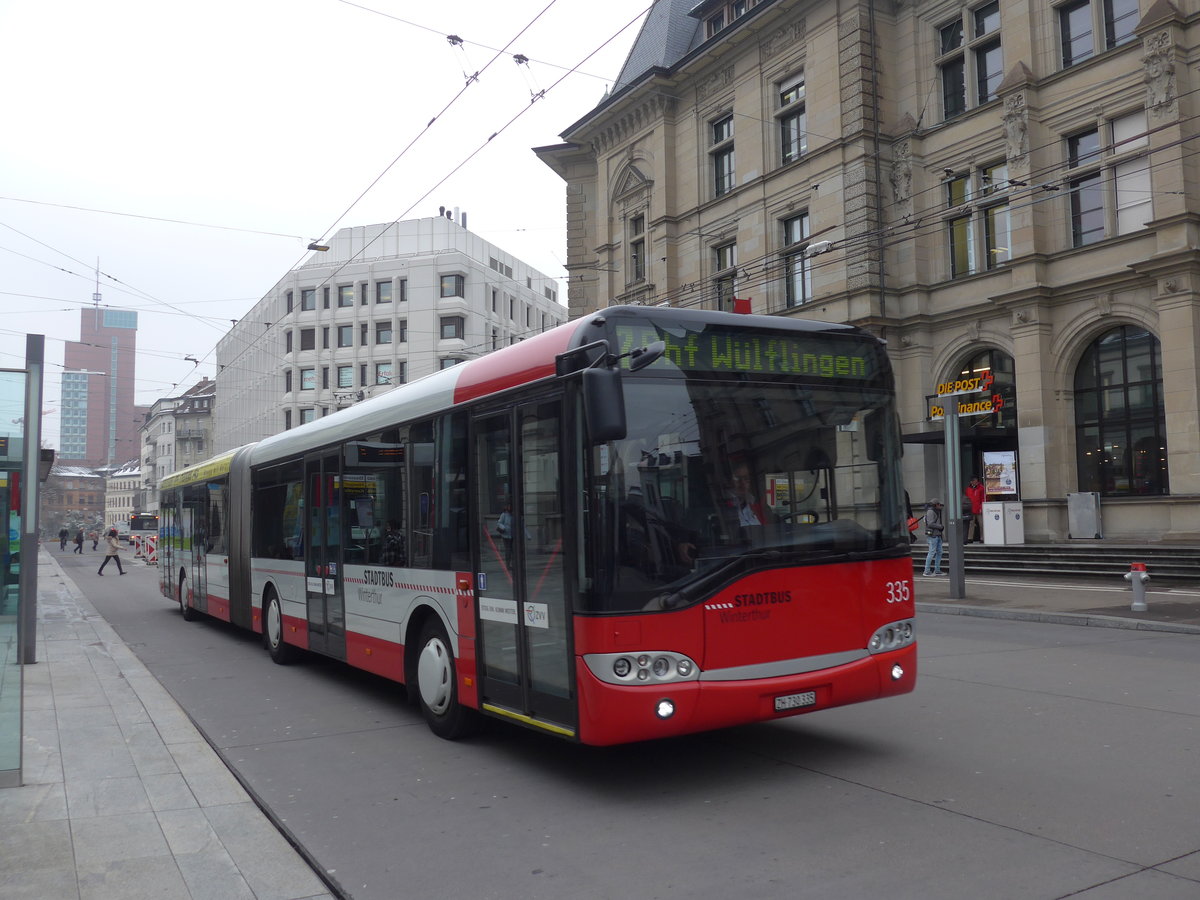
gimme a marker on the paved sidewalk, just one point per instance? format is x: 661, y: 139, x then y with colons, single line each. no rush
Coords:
x: 1068, y: 601
x: 123, y: 798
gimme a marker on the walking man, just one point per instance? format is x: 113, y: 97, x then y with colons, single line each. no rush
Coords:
x: 112, y: 551
x: 78, y: 542
x: 934, y: 528
x: 63, y: 534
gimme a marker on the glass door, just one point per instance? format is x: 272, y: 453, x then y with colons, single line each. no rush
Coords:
x: 524, y: 611
x: 323, y: 560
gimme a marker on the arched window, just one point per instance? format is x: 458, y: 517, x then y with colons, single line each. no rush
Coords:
x: 1004, y: 385
x: 1120, y: 427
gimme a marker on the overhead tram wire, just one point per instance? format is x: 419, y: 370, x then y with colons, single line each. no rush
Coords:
x: 254, y: 342
x: 472, y: 79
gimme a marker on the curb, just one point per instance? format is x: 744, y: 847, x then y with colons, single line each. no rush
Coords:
x: 1057, y: 618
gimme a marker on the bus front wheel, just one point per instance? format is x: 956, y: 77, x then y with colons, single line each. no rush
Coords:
x: 281, y: 651
x: 185, y: 608
x: 437, y: 689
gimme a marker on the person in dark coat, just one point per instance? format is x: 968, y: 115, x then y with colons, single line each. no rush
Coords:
x: 78, y: 542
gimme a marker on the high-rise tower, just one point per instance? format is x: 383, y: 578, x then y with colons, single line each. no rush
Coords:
x: 99, y: 421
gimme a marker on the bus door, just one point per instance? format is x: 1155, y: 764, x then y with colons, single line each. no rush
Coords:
x: 521, y: 596
x: 323, y: 558
x: 193, y: 530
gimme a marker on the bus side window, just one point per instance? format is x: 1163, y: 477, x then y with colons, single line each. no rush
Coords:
x: 374, y: 500
x: 278, y: 513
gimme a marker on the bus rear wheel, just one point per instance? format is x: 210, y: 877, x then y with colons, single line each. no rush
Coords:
x: 185, y: 610
x: 281, y: 651
x: 437, y: 686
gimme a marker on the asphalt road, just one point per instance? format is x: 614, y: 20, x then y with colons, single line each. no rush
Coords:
x: 1033, y: 760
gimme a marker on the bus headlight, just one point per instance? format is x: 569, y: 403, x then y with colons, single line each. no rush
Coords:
x: 646, y: 667
x: 892, y: 636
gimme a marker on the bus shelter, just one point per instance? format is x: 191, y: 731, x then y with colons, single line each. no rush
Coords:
x: 20, y: 472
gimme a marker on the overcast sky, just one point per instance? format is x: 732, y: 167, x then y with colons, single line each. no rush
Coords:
x: 193, y: 150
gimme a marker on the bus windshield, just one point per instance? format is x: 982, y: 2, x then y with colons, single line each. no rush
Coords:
x: 716, y: 478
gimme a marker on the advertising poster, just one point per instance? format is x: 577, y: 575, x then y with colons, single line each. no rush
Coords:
x: 1000, y: 473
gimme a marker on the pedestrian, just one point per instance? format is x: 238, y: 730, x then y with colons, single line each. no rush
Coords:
x: 934, y: 528
x: 95, y: 536
x: 113, y: 551
x: 978, y: 493
x: 78, y: 542
x: 63, y: 534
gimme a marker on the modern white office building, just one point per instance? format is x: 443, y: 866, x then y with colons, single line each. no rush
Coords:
x: 385, y: 304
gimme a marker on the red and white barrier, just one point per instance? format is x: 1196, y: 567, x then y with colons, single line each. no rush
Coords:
x: 152, y: 549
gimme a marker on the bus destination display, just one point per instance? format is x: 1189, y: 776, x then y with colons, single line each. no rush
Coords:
x: 817, y: 355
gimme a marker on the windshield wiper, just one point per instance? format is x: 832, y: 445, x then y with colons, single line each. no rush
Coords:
x: 707, y: 581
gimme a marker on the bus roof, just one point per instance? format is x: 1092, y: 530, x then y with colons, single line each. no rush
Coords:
x: 210, y: 468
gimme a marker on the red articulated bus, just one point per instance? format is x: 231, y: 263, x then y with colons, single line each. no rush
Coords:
x: 644, y: 523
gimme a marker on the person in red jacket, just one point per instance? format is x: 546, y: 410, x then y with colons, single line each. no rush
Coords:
x: 976, y: 493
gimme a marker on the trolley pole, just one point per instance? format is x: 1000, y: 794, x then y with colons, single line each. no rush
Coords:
x: 35, y: 356
x: 953, y: 507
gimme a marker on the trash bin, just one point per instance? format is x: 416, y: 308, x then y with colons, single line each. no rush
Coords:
x: 1083, y: 516
x: 1014, y: 523
x: 993, y: 523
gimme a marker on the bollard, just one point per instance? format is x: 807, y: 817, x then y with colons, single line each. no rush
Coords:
x: 1137, y: 576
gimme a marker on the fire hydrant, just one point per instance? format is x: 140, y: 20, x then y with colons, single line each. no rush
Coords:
x: 1137, y: 576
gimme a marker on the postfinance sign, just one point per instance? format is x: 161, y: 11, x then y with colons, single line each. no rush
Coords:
x: 983, y: 407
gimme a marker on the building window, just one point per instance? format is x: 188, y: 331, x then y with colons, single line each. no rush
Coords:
x: 325, y: 337
x: 362, y: 294
x: 307, y: 415
x: 345, y: 335
x: 345, y: 295
x: 289, y: 301
x: 977, y: 61
x: 1079, y: 23
x: 308, y: 299
x: 362, y: 376
x: 401, y: 373
x: 325, y: 298
x: 287, y: 341
x: 1109, y: 185
x: 448, y: 361
x: 364, y: 333
x: 495, y: 339
x: 308, y: 339
x: 403, y: 290
x: 453, y: 286
x: 325, y: 377
x: 383, y: 332
x: 287, y: 381
x: 402, y: 327
x: 793, y: 120
x: 308, y: 379
x: 1120, y: 425
x: 383, y: 373
x: 977, y: 207
x: 637, y: 249
x: 345, y: 376
x: 727, y: 14
x: 797, y: 277
x: 725, y: 275
x: 383, y: 292
x: 287, y: 419
x: 721, y: 151
x: 452, y: 327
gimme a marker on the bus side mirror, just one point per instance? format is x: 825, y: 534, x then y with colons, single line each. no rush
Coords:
x: 603, y: 404
x: 876, y: 427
